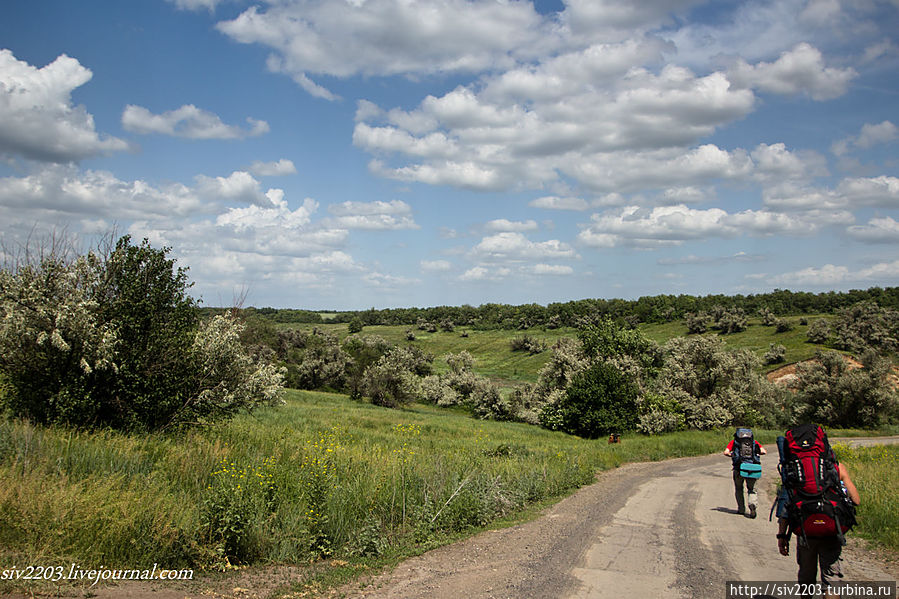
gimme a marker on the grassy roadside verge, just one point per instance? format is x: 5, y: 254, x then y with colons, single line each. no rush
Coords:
x: 873, y: 470
x: 322, y: 478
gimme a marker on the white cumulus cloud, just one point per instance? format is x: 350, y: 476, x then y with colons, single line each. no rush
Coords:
x: 504, y: 224
x: 37, y: 118
x: 514, y: 247
x: 273, y: 169
x: 797, y: 71
x: 878, y: 230
x: 560, y: 203
x: 373, y: 216
x: 188, y: 121
x: 673, y: 225
x: 831, y: 275
x: 388, y: 37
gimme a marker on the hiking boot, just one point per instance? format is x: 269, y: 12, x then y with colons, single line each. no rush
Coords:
x: 752, y: 511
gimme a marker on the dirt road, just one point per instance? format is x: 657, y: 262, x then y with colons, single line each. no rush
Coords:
x: 667, y: 529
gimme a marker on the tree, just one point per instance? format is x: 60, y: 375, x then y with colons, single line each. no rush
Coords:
x: 599, y: 401
x: 355, y: 326
x: 363, y: 352
x: 144, y: 294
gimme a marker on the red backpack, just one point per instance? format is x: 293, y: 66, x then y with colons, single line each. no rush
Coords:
x: 817, y: 504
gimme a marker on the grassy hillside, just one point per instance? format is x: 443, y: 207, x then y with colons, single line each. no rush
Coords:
x: 496, y: 360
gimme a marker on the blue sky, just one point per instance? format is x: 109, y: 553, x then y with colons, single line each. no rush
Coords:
x: 347, y: 154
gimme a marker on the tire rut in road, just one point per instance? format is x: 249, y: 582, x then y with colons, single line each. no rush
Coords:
x: 699, y: 568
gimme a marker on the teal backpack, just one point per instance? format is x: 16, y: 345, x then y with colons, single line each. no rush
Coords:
x: 745, y: 454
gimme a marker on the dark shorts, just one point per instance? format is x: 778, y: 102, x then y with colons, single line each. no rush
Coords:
x: 823, y: 553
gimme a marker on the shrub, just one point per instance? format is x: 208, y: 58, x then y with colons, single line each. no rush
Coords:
x: 605, y: 340
x: 550, y: 413
x: 529, y: 344
x: 658, y: 421
x: 320, y: 363
x: 566, y: 362
x: 715, y: 387
x: 782, y: 325
x: 488, y: 403
x: 775, y: 354
x: 355, y: 326
x: 659, y: 414
x: 697, y: 323
x: 818, y: 331
x: 112, y: 341
x: 226, y: 380
x: 434, y: 389
x: 389, y: 382
x: 363, y: 351
x: 731, y: 321
x: 867, y: 325
x: 461, y: 362
x: 833, y: 393
x: 599, y: 401
x: 420, y: 361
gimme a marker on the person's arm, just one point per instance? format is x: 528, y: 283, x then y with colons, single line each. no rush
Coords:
x: 850, y: 486
x: 762, y: 450
x: 729, y: 448
x: 783, y: 537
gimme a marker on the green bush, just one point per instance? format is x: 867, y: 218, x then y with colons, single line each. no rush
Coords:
x: 599, y: 401
x: 818, y: 331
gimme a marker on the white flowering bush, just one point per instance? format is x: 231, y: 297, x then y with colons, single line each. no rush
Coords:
x: 113, y: 340
x: 52, y: 338
x: 227, y: 379
x: 389, y: 382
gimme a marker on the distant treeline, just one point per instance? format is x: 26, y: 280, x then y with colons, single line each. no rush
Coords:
x: 648, y: 309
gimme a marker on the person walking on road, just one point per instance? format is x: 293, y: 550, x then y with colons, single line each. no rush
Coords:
x: 816, y: 503
x: 745, y: 452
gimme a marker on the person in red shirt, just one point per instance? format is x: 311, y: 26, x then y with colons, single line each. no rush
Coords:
x: 739, y: 481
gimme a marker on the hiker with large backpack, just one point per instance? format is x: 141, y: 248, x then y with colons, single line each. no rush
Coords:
x: 745, y: 453
x: 816, y: 503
